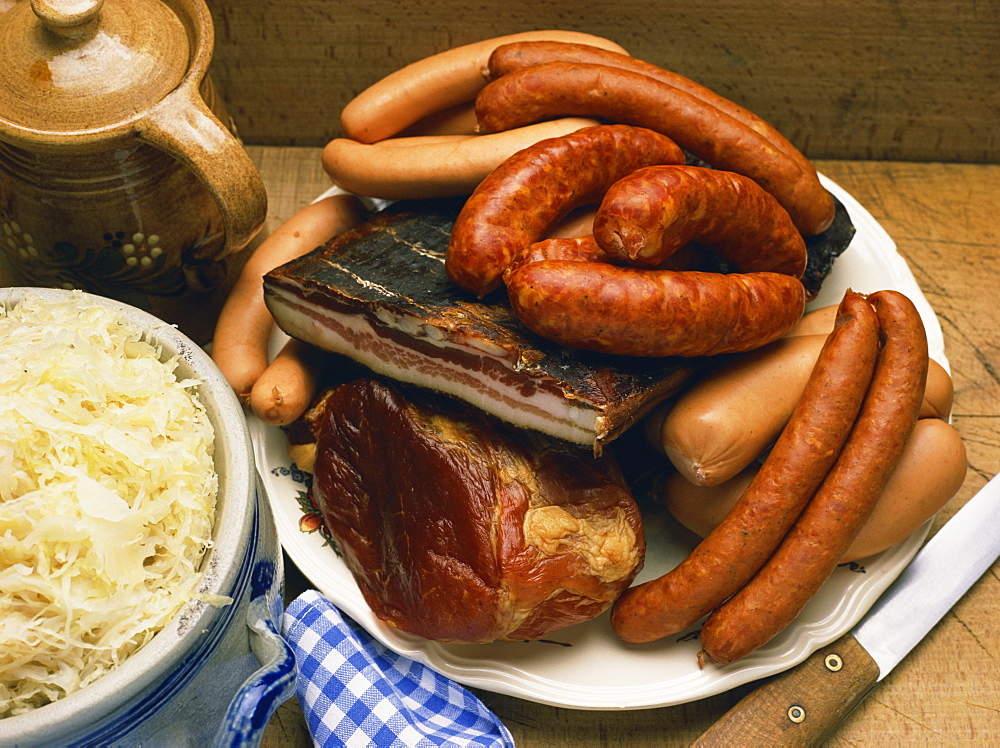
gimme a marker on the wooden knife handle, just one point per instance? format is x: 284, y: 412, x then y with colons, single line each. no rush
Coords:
x: 803, y: 705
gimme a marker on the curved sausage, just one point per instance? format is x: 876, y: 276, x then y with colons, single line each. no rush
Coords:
x: 432, y: 165
x: 456, y: 120
x: 571, y: 248
x: 435, y: 83
x: 929, y: 473
x: 239, y: 344
x: 578, y: 222
x: 556, y: 89
x: 816, y: 322
x: 288, y: 385
x: 636, y: 312
x: 520, y: 200
x: 648, y: 215
x: 586, y: 249
x: 411, y: 140
x: 835, y: 515
x: 516, y: 55
x: 807, y: 448
x: 726, y: 420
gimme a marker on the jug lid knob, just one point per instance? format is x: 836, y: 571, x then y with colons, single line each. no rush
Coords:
x: 87, y: 65
x: 67, y: 18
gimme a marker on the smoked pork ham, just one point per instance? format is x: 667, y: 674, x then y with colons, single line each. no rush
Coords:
x: 378, y: 294
x: 458, y: 527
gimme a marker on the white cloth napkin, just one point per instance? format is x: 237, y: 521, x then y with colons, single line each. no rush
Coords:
x: 357, y: 692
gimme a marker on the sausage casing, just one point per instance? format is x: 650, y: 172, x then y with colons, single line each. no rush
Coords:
x: 516, y: 204
x: 435, y: 83
x: 572, y: 248
x: 803, y: 454
x: 637, y: 312
x: 243, y: 329
x: 726, y: 420
x: 651, y: 213
x: 561, y: 88
x: 424, y: 166
x: 516, y: 55
x: 928, y: 475
x: 835, y: 515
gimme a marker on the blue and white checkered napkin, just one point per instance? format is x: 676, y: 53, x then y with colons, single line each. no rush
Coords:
x: 356, y: 692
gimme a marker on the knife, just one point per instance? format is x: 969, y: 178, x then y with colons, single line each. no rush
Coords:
x: 804, y: 705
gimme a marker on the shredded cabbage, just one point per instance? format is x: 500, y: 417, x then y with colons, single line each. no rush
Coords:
x: 107, y: 496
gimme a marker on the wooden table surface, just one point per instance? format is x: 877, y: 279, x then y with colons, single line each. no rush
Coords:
x: 944, y: 220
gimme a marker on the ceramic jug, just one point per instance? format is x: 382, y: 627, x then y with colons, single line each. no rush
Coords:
x: 118, y: 175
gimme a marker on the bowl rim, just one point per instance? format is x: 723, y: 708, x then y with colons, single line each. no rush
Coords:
x: 224, y: 565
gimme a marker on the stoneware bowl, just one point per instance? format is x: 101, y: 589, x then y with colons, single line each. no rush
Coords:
x: 215, y: 674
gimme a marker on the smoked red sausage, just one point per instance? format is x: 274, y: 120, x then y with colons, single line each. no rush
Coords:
x: 835, y: 515
x: 516, y: 204
x: 651, y: 213
x: 574, y: 248
x: 637, y: 312
x: 586, y: 249
x: 800, y: 459
x: 555, y: 89
x: 516, y: 55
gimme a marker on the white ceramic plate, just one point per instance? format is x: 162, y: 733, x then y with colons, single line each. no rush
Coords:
x: 586, y: 666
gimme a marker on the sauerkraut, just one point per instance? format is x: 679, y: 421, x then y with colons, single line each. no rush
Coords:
x: 107, y: 496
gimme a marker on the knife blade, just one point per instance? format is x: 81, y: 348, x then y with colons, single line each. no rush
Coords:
x: 803, y: 705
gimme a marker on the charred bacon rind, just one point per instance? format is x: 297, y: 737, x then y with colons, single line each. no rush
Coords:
x: 392, y: 267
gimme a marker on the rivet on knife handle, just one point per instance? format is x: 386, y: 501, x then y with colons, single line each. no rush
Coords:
x: 801, y: 706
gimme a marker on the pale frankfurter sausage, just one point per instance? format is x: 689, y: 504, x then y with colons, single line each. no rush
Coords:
x: 740, y: 545
x: 432, y: 165
x: 637, y: 312
x: 559, y: 89
x: 939, y: 394
x: 435, y: 83
x: 726, y: 420
x: 288, y: 385
x: 816, y: 322
x: 239, y: 345
x: 939, y: 397
x: 456, y: 120
x: 649, y: 214
x: 929, y: 473
x: 411, y: 140
x: 834, y: 516
x: 530, y: 192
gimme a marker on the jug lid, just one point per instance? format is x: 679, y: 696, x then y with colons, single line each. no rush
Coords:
x: 72, y: 65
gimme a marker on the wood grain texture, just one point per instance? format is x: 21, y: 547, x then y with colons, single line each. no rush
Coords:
x: 801, y: 706
x: 844, y: 79
x: 943, y: 220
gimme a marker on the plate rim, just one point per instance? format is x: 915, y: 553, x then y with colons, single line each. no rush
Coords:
x: 490, y: 675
